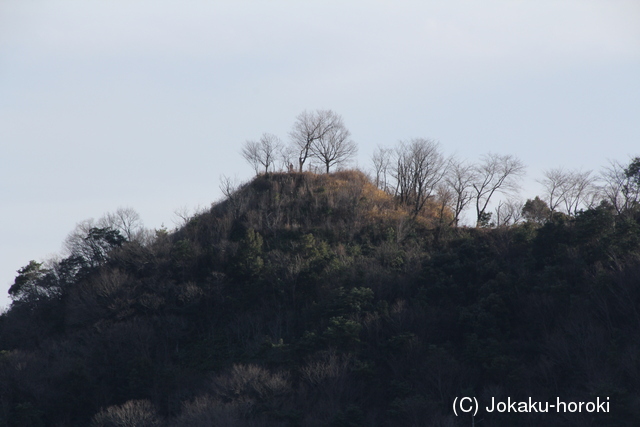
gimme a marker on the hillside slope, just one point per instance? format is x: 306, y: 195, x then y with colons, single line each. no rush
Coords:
x: 313, y: 300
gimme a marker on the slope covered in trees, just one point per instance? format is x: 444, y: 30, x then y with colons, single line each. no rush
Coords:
x: 315, y: 300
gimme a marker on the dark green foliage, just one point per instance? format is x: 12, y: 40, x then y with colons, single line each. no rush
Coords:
x: 536, y: 211
x: 28, y: 283
x: 633, y: 171
x: 312, y: 300
x: 249, y: 262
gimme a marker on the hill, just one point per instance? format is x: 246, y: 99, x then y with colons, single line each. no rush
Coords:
x: 309, y: 300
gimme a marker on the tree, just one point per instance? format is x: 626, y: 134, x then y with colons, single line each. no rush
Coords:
x: 536, y: 210
x: 459, y: 178
x: 381, y: 162
x: 581, y: 192
x: 263, y: 153
x: 335, y: 146
x: 419, y: 167
x: 310, y: 128
x: 131, y: 413
x: 508, y: 212
x: 27, y: 285
x: 633, y: 171
x: 496, y: 173
x: 622, y: 185
x: 126, y: 221
x: 555, y: 183
x: 445, y: 197
x: 92, y: 244
x: 568, y: 190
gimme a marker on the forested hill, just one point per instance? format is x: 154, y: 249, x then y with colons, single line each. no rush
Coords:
x: 319, y: 300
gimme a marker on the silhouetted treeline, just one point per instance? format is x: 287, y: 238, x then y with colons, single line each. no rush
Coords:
x: 321, y: 300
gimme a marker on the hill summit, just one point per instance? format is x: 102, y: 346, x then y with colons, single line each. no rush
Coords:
x: 308, y: 201
x: 313, y: 300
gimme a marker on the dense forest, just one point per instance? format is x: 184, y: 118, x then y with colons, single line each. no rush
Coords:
x: 306, y: 299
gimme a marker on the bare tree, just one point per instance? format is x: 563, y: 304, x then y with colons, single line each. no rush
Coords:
x: 91, y: 242
x: 580, y: 192
x: 508, y: 212
x: 555, y: 183
x: 288, y: 155
x: 496, y: 174
x: 460, y: 178
x: 381, y: 163
x: 263, y: 153
x: 130, y: 413
x: 308, y: 129
x: 335, y: 146
x: 229, y: 186
x: 184, y: 214
x: 621, y: 185
x: 419, y: 167
x: 445, y: 196
x: 569, y: 190
x: 230, y: 189
x: 126, y: 220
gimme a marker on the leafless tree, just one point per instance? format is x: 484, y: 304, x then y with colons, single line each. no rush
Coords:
x: 580, y: 193
x: 508, y: 212
x: 184, y: 214
x: 288, y: 155
x: 335, y: 146
x: 555, y: 183
x: 309, y: 128
x: 496, y: 174
x: 381, y: 163
x: 418, y: 169
x: 446, y: 197
x: 263, y: 153
x: 92, y: 242
x: 126, y: 220
x: 130, y: 413
x: 75, y: 242
x: 620, y: 187
x: 569, y: 190
x: 460, y: 178
x: 229, y: 187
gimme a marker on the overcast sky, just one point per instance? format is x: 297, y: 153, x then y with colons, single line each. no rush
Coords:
x: 145, y: 104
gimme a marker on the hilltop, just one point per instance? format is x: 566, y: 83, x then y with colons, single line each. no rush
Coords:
x: 308, y: 300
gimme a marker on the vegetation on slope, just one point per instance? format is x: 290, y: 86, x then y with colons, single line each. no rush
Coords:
x: 313, y: 300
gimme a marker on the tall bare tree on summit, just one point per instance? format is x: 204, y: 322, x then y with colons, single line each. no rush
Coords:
x: 322, y: 135
x: 335, y: 147
x: 263, y: 153
x: 418, y: 168
x: 496, y: 174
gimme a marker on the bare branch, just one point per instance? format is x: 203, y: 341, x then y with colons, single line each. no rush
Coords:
x: 621, y: 187
x: 418, y: 169
x: 262, y: 154
x: 569, y: 190
x: 126, y: 220
x: 322, y: 135
x: 381, y: 163
x: 335, y: 146
x: 460, y: 178
x: 496, y: 173
x: 508, y: 212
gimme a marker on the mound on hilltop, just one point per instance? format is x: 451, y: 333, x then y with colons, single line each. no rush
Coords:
x: 307, y: 200
x: 342, y: 203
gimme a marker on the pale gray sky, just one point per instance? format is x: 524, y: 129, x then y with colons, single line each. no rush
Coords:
x: 145, y: 103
